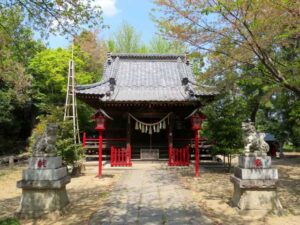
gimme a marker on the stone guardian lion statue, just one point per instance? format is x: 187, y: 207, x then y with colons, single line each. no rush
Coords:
x: 45, y: 144
x: 253, y: 140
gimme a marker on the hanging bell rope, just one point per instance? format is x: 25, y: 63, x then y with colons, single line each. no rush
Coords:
x: 151, y: 127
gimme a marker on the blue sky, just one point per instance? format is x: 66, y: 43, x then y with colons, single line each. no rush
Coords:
x: 135, y: 12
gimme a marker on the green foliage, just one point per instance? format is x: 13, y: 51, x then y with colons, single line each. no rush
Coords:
x: 126, y: 40
x: 9, y: 221
x: 70, y: 152
x: 223, y: 126
x: 17, y: 47
x: 86, y: 123
x: 251, y: 51
x: 197, y: 61
x: 33, y: 78
x: 5, y: 107
x: 288, y: 147
x: 281, y: 117
x: 162, y: 46
x: 49, y: 69
x: 94, y: 52
x: 111, y: 45
x: 16, y: 37
x: 66, y: 148
x: 231, y: 34
x: 55, y: 16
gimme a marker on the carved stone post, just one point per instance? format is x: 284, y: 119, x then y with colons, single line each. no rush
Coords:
x: 44, y: 182
x: 254, y: 179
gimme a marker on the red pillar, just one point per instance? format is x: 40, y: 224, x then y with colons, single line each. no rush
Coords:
x: 84, y: 139
x: 128, y: 142
x: 100, y: 154
x: 196, y: 153
x: 129, y: 156
x: 170, y: 141
x: 170, y: 154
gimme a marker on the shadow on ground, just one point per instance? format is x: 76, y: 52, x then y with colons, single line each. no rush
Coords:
x: 214, y: 190
x: 86, y: 194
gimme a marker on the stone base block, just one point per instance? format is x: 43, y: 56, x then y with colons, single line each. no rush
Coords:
x: 255, y: 153
x: 36, y: 203
x: 256, y: 174
x: 44, y: 174
x: 43, y: 154
x: 45, y: 162
x: 44, y: 184
x: 256, y: 184
x: 254, y: 162
x: 256, y: 199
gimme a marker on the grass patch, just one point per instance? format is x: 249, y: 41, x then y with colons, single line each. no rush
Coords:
x: 288, y: 147
x: 9, y: 221
x: 102, y: 195
x: 7, y: 171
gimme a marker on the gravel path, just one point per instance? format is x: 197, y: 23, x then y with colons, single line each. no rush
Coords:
x: 149, y: 194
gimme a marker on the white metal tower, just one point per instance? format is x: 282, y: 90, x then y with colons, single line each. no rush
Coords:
x: 71, y: 103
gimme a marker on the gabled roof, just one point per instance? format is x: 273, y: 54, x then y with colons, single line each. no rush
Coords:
x: 146, y: 77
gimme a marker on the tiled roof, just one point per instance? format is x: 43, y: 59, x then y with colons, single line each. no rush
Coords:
x: 146, y: 77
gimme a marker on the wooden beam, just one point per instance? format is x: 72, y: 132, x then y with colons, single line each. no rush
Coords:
x: 150, y: 114
x: 170, y: 136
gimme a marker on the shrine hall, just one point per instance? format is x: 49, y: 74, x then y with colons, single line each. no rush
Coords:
x: 147, y: 107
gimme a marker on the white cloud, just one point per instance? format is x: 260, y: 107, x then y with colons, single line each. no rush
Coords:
x: 108, y: 6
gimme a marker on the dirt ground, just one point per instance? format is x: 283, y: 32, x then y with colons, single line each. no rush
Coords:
x: 213, y: 191
x: 86, y: 194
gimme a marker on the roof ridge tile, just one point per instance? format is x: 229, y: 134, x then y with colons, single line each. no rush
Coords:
x: 147, y: 56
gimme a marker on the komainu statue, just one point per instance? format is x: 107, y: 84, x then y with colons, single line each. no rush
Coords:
x: 45, y: 144
x: 253, y: 140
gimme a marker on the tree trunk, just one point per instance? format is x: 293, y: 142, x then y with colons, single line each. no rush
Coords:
x: 254, y: 112
x: 281, y: 143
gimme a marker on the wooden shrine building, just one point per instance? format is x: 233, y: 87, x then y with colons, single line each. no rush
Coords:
x: 148, y: 101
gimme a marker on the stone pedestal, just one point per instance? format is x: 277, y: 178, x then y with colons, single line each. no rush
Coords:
x: 43, y: 187
x: 255, y: 183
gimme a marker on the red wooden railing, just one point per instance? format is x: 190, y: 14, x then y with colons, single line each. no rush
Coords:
x: 179, y: 156
x: 87, y: 141
x: 120, y: 156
